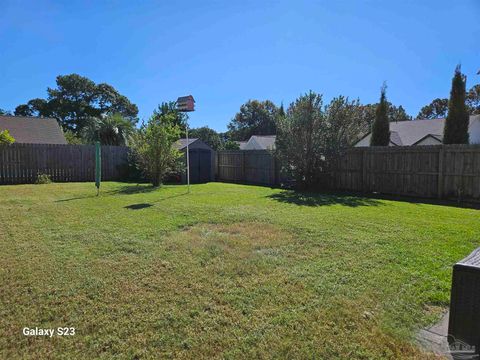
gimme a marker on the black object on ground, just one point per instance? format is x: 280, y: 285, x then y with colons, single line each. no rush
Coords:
x: 464, y: 322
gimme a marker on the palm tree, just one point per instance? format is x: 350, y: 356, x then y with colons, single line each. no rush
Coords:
x: 110, y: 130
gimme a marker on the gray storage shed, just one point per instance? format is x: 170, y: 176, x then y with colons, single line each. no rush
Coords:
x: 202, y: 160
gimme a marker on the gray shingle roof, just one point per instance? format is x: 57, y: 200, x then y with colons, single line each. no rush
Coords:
x: 261, y: 142
x: 395, y: 138
x: 182, y: 143
x: 408, y: 133
x: 33, y: 130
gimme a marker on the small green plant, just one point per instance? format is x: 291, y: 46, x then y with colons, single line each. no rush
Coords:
x: 6, y: 138
x: 43, y: 179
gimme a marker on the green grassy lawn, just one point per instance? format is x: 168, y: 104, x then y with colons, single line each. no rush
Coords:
x: 228, y: 271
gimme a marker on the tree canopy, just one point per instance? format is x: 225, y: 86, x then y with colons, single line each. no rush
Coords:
x: 167, y: 112
x: 109, y: 130
x: 438, y: 108
x: 254, y: 118
x: 77, y: 99
x: 209, y: 136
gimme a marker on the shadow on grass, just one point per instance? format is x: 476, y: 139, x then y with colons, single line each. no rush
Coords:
x: 147, y: 205
x: 133, y: 189
x: 322, y: 199
x: 77, y: 198
x: 138, y: 206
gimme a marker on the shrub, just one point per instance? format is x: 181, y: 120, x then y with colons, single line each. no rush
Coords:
x: 154, y: 148
x: 43, y: 179
x: 6, y: 138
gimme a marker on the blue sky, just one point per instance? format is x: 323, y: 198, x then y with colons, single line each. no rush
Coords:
x: 226, y: 52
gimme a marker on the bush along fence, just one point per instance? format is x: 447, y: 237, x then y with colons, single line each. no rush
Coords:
x: 22, y: 163
x: 447, y: 171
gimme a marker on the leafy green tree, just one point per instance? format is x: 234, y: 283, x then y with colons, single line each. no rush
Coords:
x: 231, y: 145
x: 381, y: 125
x: 76, y: 100
x: 345, y: 123
x: 438, y: 108
x: 395, y: 113
x: 4, y: 112
x: 457, y: 121
x: 153, y: 148
x: 6, y: 138
x: 299, y: 141
x: 72, y: 138
x: 207, y: 135
x: 167, y: 111
x: 254, y: 118
x: 110, y: 130
x: 473, y: 100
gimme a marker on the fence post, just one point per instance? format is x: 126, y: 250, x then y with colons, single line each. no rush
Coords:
x: 217, y: 167
x: 364, y: 170
x: 244, y: 178
x: 441, y: 155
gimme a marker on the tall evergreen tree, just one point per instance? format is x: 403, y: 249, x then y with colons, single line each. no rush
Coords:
x: 381, y: 125
x: 456, y: 124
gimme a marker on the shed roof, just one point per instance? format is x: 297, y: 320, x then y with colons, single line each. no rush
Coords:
x: 33, y: 130
x: 182, y: 143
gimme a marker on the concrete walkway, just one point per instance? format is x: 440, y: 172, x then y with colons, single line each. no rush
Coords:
x: 434, y: 338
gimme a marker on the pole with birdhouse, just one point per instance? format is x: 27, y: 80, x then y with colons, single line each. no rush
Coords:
x: 186, y: 104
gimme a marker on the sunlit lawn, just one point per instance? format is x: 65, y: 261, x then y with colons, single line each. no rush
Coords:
x: 227, y: 271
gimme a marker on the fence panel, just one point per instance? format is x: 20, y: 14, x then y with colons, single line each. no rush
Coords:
x: 247, y: 166
x: 448, y: 171
x: 21, y: 163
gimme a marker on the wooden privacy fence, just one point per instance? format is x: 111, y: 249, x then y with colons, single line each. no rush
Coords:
x: 21, y: 163
x: 247, y: 166
x: 446, y: 171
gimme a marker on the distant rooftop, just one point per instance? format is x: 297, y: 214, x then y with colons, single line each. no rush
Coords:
x: 33, y: 130
x: 406, y: 133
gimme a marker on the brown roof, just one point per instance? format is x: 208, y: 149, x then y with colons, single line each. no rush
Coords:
x: 185, y: 98
x: 33, y: 130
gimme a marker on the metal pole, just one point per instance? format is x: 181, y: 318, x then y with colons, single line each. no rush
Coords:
x: 188, y: 159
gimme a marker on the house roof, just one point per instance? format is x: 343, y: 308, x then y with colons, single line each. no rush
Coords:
x: 395, y: 138
x: 405, y: 133
x: 33, y: 130
x: 261, y: 142
x: 182, y: 143
x: 438, y: 138
x: 242, y: 144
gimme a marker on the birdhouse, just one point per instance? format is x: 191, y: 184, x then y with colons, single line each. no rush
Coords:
x: 186, y: 103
